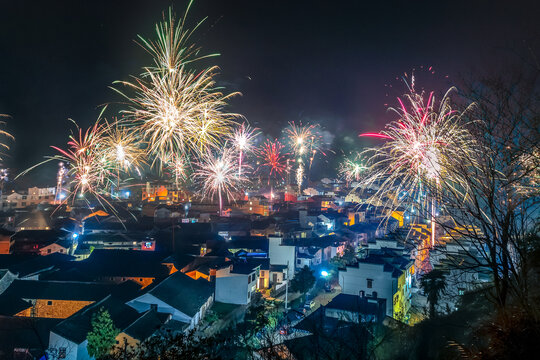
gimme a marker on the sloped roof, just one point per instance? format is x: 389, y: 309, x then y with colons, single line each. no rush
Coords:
x: 11, y: 305
x: 31, y: 264
x: 183, y: 293
x: 21, y: 332
x: 124, y: 263
x: 57, y: 290
x: 146, y: 325
x: 355, y: 303
x: 248, y: 242
x: 77, y: 326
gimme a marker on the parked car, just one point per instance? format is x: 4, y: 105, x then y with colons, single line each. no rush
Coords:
x: 309, y: 304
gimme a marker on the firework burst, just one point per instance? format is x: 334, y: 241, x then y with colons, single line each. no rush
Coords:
x: 175, y: 109
x: 418, y: 150
x: 88, y: 171
x: 242, y: 139
x: 351, y: 168
x: 272, y: 158
x: 121, y: 148
x: 218, y: 176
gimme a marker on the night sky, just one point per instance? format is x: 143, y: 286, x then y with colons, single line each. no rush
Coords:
x: 322, y: 62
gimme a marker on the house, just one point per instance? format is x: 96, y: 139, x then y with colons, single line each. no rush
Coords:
x: 282, y: 252
x: 249, y: 244
x: 33, y: 196
x: 55, y: 299
x: 236, y: 283
x: 384, y: 274
x: 186, y: 299
x: 67, y: 340
x: 255, y: 205
x: 142, y: 328
x: 42, y: 242
x: 6, y: 242
x: 356, y: 308
x: 63, y: 246
x: 164, y: 192
x: 32, y: 266
x: 118, y: 241
x: 6, y: 278
x: 21, y: 338
x: 117, y: 266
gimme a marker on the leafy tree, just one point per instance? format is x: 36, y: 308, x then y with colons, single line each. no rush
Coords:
x: 102, y: 337
x: 434, y: 284
x: 303, y: 280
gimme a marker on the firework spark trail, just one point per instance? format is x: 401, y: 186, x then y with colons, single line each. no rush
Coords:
x: 351, y: 168
x: 178, y: 168
x: 218, y: 175
x: 177, y: 110
x: 60, y: 176
x: 419, y: 147
x: 4, y: 178
x: 173, y: 47
x: 87, y: 167
x: 121, y: 148
x: 242, y: 139
x: 6, y: 135
x: 305, y: 142
x: 272, y: 158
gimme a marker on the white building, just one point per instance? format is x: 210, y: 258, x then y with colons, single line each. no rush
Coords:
x: 186, y: 299
x: 380, y: 277
x: 281, y: 253
x: 235, y: 284
x: 34, y: 196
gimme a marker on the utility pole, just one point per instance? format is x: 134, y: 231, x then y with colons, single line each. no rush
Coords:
x: 287, y: 289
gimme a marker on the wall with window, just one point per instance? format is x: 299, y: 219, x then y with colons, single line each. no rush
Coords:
x: 371, y: 279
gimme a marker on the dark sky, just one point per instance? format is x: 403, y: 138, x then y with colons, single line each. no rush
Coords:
x: 324, y: 62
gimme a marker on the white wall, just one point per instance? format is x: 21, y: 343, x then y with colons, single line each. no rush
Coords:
x: 73, y: 351
x: 281, y: 254
x: 232, y: 289
x: 143, y: 302
x: 353, y: 280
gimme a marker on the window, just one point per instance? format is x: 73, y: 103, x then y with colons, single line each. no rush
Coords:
x: 369, y: 283
x: 48, y: 251
x: 49, y: 302
x: 461, y: 291
x: 299, y: 261
x: 62, y: 353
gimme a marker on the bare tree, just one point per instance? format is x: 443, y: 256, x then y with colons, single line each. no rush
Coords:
x: 495, y: 207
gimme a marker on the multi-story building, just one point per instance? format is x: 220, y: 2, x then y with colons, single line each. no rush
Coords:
x: 164, y: 192
x: 20, y: 200
x: 383, y: 274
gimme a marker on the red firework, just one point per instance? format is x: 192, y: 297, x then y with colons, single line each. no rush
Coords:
x: 272, y: 158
